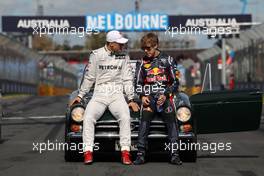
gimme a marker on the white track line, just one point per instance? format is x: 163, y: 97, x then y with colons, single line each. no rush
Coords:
x: 34, y: 117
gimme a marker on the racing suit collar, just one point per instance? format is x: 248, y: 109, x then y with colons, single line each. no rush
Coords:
x: 158, y: 54
x: 154, y: 58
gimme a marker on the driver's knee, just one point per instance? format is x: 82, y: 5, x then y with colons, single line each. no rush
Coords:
x: 147, y: 114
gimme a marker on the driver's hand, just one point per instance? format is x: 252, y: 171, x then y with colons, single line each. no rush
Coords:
x: 75, y: 100
x: 161, y: 100
x: 145, y: 100
x: 134, y: 106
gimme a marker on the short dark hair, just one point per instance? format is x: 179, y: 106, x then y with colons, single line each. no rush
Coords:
x: 150, y: 39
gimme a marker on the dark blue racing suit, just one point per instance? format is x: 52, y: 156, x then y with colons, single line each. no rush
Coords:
x: 156, y: 76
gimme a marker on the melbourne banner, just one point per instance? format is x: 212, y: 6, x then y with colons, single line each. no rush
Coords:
x: 122, y: 22
x: 128, y: 22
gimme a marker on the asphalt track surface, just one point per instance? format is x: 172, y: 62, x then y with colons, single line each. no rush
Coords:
x: 41, y: 119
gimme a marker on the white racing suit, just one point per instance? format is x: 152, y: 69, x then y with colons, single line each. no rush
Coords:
x: 112, y: 76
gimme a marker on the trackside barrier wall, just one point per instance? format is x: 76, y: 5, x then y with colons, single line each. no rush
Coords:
x: 24, y: 71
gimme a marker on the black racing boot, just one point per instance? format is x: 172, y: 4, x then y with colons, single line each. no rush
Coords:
x: 175, y: 159
x: 140, y: 158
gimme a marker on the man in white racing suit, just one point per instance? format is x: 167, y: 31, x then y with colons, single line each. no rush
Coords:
x: 109, y: 70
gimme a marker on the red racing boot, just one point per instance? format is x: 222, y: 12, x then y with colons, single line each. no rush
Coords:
x: 88, y: 157
x: 125, y: 158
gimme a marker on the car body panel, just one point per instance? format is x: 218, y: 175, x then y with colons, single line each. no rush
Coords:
x: 227, y: 111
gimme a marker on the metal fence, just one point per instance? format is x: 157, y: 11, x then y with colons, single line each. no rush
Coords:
x: 248, y: 62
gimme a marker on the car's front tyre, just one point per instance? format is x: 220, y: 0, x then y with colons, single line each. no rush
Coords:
x: 72, y: 155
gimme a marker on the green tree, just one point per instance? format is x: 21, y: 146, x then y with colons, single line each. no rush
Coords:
x: 77, y: 47
x: 95, y: 41
x: 66, y: 45
x: 43, y: 43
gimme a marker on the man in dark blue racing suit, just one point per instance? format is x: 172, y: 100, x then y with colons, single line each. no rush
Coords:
x: 156, y: 83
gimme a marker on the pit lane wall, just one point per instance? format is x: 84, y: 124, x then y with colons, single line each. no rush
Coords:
x: 24, y: 71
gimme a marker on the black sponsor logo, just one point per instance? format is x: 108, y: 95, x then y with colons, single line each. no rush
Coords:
x: 109, y: 67
x: 120, y: 57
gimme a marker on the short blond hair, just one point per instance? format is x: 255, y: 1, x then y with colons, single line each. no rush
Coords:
x: 150, y: 39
